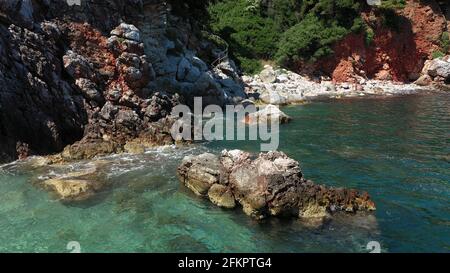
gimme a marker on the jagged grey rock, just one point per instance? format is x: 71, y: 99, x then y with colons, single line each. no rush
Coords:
x: 64, y: 67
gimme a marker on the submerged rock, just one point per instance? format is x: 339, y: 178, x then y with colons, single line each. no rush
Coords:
x: 72, y: 189
x: 77, y: 186
x: 271, y: 184
x: 133, y: 147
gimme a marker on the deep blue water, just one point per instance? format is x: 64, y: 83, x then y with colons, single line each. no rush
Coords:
x: 397, y: 149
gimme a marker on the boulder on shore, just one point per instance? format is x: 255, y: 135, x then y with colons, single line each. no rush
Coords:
x: 267, y: 114
x: 435, y: 71
x: 270, y: 184
x: 282, y: 87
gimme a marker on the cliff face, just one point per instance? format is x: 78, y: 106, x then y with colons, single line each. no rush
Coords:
x: 111, y: 71
x: 395, y: 53
x: 100, y: 71
x: 39, y: 108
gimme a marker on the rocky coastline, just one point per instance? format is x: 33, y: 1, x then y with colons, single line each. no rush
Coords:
x: 101, y: 75
x: 262, y: 185
x: 282, y: 87
x: 105, y: 87
x: 74, y: 88
x: 87, y: 80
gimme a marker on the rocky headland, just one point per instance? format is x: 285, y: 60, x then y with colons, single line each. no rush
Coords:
x: 98, y: 78
x: 79, y: 82
x: 92, y: 77
x: 82, y: 82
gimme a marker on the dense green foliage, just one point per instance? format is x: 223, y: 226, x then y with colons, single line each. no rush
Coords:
x: 288, y: 31
x: 308, y: 40
x: 445, y: 42
x: 445, y: 46
x: 322, y: 23
x: 250, y: 35
x: 370, y: 35
x: 437, y: 54
x: 393, y: 4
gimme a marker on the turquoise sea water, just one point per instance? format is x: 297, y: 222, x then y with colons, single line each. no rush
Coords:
x: 397, y: 149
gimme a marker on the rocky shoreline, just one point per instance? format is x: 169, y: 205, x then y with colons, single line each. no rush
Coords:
x: 82, y: 88
x: 282, y: 87
x: 101, y: 73
x: 85, y: 87
x: 266, y: 185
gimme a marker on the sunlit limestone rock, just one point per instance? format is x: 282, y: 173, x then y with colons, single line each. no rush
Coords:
x: 374, y: 2
x: 268, y: 114
x: 72, y: 189
x: 200, y: 172
x: 268, y: 75
x: 436, y: 70
x: 270, y: 184
x: 78, y: 185
x: 281, y: 87
x: 127, y: 31
x: 221, y: 196
x: 77, y: 66
x: 90, y: 149
x: 73, y: 2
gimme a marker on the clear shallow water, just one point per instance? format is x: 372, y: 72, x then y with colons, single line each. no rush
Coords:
x: 397, y: 149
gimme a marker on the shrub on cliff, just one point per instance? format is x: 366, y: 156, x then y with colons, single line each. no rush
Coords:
x: 325, y: 23
x: 290, y: 30
x: 445, y: 42
x: 309, y: 40
x: 250, y: 35
x: 393, y: 4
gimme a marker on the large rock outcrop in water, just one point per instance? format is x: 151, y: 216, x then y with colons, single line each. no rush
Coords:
x: 103, y: 71
x: 271, y: 184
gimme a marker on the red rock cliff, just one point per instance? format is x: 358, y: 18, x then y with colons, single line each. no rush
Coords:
x: 394, y: 54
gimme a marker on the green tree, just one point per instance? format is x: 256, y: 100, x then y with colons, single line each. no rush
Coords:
x: 309, y: 40
x: 291, y: 30
x: 250, y: 35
